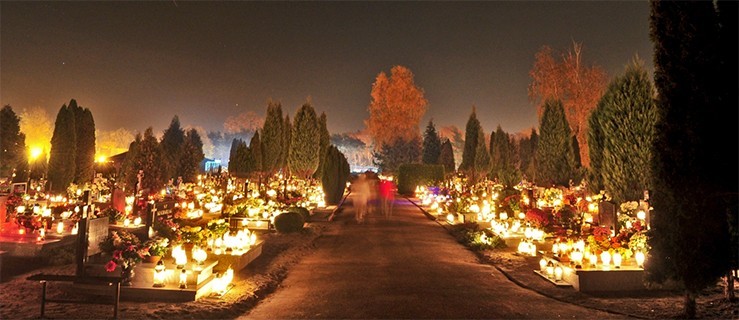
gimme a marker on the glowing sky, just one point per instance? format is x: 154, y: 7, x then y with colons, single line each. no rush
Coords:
x: 136, y: 64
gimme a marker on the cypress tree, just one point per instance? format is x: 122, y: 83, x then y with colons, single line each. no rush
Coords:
x: 431, y: 145
x: 172, y: 141
x: 470, y: 142
x: 499, y: 152
x: 335, y: 174
x: 255, y: 156
x: 12, y: 143
x: 287, y: 138
x: 242, y: 166
x: 324, y: 142
x: 595, y: 148
x: 725, y: 126
x: 503, y: 158
x: 192, y: 156
x: 690, y: 236
x: 272, y: 138
x: 305, y: 143
x: 130, y: 168
x: 149, y: 159
x: 396, y: 153
x: 554, y: 153
x: 233, y: 164
x: 63, y: 151
x: 482, y: 156
x: 446, y: 156
x: 625, y: 120
x: 85, y: 130
x: 527, y: 155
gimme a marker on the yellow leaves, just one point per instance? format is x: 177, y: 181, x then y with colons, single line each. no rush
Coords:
x: 396, y: 108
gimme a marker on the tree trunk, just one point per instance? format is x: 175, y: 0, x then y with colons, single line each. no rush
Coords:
x: 729, y: 289
x: 689, y: 305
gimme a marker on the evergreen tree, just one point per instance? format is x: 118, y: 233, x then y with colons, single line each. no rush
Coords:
x: 272, y: 138
x: 240, y: 159
x: 527, y: 155
x: 255, y: 156
x: 192, y: 156
x: 172, y: 141
x: 396, y: 153
x: 287, y: 138
x: 446, y: 156
x: 63, y: 151
x: 130, y: 169
x: 335, y: 175
x: 233, y: 164
x: 595, y: 146
x: 625, y: 119
x: 503, y: 158
x: 305, y: 143
x: 470, y: 142
x: 12, y: 143
x: 482, y: 156
x: 725, y: 126
x: 554, y: 154
x: 85, y: 150
x: 149, y: 159
x: 324, y: 142
x: 691, y: 195
x: 431, y: 145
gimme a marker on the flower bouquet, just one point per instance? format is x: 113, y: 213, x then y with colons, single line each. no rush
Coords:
x: 126, y: 251
x: 157, y: 247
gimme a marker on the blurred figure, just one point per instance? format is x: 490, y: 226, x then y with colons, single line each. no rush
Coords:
x: 373, y: 200
x: 362, y: 192
x: 387, y: 195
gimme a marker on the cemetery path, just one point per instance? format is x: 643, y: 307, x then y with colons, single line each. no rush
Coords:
x: 403, y: 267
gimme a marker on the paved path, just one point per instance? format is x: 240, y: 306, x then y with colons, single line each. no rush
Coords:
x: 403, y: 267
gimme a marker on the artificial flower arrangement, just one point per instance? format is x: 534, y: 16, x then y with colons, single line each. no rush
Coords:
x: 125, y: 248
x: 190, y: 234
x: 157, y: 246
x: 218, y: 227
x: 114, y: 216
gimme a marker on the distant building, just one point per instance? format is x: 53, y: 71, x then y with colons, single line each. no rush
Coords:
x: 210, y: 165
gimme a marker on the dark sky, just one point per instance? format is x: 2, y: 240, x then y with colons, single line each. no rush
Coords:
x: 136, y: 64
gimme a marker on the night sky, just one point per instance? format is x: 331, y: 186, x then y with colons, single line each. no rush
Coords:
x: 136, y: 64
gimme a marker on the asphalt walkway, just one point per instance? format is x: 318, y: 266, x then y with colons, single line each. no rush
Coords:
x: 403, y: 267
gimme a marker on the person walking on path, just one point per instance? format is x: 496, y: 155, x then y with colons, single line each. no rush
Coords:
x: 387, y: 194
x: 362, y: 191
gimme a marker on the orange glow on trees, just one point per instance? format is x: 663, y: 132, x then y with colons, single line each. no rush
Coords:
x: 396, y: 108
x: 36, y: 124
x: 569, y: 80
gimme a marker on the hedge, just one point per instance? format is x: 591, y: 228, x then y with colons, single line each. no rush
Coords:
x: 414, y: 174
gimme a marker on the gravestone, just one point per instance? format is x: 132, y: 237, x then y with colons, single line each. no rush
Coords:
x: 607, y: 215
x: 165, y: 208
x: 97, y: 230
x: 119, y: 200
x: 90, y: 233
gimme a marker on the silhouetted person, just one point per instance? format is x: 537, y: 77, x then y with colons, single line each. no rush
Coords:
x: 361, y: 189
x: 387, y: 196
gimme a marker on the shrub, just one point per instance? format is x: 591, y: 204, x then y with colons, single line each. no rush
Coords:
x: 302, y: 211
x: 412, y: 175
x: 475, y: 238
x: 335, y: 174
x: 287, y: 222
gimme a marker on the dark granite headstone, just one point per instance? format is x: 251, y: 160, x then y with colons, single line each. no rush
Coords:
x: 607, y: 215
